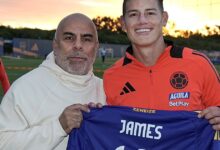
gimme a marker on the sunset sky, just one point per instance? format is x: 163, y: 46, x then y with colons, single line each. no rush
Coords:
x: 45, y: 14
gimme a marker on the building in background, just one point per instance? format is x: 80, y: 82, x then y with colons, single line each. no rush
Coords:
x: 31, y: 47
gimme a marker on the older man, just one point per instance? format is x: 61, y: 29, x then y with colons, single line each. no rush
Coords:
x: 43, y: 106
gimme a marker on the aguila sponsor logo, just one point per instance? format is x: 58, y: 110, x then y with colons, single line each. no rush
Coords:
x: 180, y: 95
x: 177, y: 99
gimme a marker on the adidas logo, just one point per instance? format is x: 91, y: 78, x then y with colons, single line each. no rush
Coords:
x: 127, y: 88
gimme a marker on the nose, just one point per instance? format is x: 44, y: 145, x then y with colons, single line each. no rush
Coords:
x: 143, y: 18
x: 78, y: 44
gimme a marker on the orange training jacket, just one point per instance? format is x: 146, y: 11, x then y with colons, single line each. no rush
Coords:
x: 182, y: 79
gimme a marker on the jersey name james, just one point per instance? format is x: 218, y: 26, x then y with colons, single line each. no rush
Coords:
x: 124, y: 128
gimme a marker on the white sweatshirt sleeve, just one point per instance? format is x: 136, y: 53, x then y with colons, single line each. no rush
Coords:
x: 17, y: 133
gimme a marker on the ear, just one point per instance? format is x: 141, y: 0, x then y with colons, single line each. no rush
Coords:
x: 165, y: 18
x: 97, y: 46
x: 55, y: 46
x: 122, y: 20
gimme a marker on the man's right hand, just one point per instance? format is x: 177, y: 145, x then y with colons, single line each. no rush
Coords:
x: 72, y: 117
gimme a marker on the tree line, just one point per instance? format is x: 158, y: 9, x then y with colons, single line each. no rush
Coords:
x: 110, y: 31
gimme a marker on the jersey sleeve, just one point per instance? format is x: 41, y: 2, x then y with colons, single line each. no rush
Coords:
x: 211, y: 86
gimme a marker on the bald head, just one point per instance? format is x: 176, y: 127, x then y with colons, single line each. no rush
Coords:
x: 75, y: 44
x: 77, y: 18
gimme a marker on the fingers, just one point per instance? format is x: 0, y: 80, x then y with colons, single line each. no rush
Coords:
x: 81, y: 107
x: 210, y: 112
x: 216, y: 127
x: 213, y: 115
x: 93, y: 105
x: 72, y: 117
x: 214, y: 120
x: 99, y: 105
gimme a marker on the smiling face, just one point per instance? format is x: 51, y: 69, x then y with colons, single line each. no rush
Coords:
x: 143, y: 21
x: 75, y: 44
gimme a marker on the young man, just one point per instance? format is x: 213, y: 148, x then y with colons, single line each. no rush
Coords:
x: 43, y: 106
x: 155, y: 73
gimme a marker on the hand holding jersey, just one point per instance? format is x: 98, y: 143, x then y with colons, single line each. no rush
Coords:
x: 213, y: 115
x: 72, y: 115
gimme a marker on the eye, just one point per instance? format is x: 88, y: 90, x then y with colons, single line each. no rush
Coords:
x: 68, y: 38
x: 132, y: 14
x: 151, y: 13
x: 88, y: 39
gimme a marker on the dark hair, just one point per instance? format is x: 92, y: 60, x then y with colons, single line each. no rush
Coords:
x: 160, y: 3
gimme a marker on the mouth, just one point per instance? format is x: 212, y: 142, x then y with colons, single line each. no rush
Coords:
x: 142, y: 30
x: 76, y: 58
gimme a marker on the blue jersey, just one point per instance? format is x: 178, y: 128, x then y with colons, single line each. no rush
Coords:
x: 124, y: 128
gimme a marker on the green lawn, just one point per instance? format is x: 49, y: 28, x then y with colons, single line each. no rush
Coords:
x: 17, y: 67
x: 218, y: 68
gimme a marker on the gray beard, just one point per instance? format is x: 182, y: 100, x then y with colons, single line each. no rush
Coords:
x: 75, y: 68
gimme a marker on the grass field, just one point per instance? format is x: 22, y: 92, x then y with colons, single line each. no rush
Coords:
x: 17, y: 67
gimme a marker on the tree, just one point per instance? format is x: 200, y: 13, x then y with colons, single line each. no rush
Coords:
x: 110, y: 31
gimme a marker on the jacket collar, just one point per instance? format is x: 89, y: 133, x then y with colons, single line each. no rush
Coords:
x: 129, y: 51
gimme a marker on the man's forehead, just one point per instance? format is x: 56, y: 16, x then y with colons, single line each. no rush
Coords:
x: 138, y: 4
x: 84, y: 34
x: 78, y: 29
x: 76, y: 26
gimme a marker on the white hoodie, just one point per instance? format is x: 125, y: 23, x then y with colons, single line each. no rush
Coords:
x: 30, y: 110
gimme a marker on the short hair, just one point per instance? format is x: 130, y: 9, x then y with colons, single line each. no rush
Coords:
x: 160, y: 3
